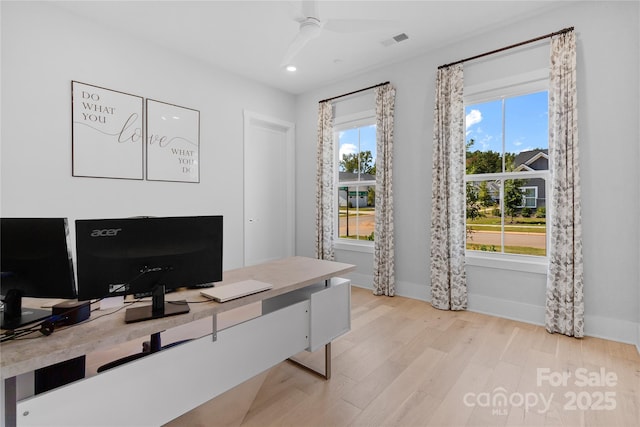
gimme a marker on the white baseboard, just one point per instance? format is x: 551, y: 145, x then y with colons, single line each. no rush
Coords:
x: 595, y: 326
x: 521, y: 312
x: 403, y: 289
x: 611, y: 329
x: 360, y: 280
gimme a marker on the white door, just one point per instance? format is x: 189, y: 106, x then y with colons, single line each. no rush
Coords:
x: 269, y: 223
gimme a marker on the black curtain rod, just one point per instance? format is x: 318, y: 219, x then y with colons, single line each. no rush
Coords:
x: 351, y: 93
x: 546, y: 36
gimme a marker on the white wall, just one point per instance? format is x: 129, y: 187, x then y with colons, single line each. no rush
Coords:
x: 44, y: 47
x: 607, y: 34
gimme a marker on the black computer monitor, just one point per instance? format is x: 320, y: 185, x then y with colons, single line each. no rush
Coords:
x: 147, y: 255
x: 36, y: 262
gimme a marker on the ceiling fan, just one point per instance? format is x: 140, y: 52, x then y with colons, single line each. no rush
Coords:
x: 311, y: 26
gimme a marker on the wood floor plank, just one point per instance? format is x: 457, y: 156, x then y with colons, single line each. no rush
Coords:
x: 455, y: 408
x: 229, y: 409
x: 410, y: 379
x: 363, y: 392
x: 406, y: 364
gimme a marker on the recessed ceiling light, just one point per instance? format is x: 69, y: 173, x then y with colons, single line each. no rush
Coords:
x: 291, y: 68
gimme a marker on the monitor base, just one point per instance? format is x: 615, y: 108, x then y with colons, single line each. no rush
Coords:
x: 146, y: 312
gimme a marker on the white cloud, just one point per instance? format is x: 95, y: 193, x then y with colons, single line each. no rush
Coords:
x: 347, y: 149
x: 474, y: 117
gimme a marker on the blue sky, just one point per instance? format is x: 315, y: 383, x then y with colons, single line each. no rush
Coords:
x: 526, y: 127
x: 349, y: 140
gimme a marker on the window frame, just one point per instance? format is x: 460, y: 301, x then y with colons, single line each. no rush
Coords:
x: 342, y: 123
x: 513, y: 86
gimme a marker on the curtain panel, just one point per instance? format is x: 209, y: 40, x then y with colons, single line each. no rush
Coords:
x: 325, y: 186
x: 383, y: 259
x: 564, y: 300
x: 448, y: 234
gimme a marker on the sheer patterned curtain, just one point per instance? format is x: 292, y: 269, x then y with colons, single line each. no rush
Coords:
x: 383, y: 259
x: 448, y: 234
x: 325, y: 183
x: 565, y: 304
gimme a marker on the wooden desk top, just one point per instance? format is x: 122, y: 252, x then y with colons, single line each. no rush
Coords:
x: 286, y: 275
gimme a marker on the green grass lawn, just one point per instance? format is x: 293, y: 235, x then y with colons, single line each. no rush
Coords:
x: 517, y: 229
x: 519, y: 224
x: 354, y: 210
x: 520, y: 250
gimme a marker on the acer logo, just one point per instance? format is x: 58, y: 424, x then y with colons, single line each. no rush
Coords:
x: 107, y: 232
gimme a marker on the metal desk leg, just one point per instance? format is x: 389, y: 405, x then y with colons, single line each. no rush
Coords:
x: 327, y: 364
x: 9, y: 394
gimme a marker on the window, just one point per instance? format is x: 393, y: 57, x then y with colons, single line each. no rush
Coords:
x: 356, y: 165
x: 529, y: 197
x: 507, y: 173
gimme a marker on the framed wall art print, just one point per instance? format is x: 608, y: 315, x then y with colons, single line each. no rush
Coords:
x: 106, y: 133
x: 173, y: 143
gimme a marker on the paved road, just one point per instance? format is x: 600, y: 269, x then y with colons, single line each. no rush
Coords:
x: 530, y: 240
x: 363, y: 223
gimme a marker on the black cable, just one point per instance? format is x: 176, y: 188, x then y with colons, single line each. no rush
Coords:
x: 15, y: 334
x: 179, y: 302
x: 18, y: 333
x: 108, y: 314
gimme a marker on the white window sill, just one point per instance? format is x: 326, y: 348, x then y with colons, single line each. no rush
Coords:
x: 524, y: 263
x: 366, y: 247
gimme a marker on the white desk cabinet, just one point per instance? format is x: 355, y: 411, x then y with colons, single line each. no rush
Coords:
x: 330, y: 309
x: 158, y: 388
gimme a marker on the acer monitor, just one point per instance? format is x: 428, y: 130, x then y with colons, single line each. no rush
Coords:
x: 148, y: 255
x: 36, y: 262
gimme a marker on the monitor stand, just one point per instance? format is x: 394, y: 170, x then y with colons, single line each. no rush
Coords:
x: 158, y: 308
x: 14, y: 316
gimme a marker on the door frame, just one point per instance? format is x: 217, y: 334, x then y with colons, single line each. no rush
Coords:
x: 253, y: 119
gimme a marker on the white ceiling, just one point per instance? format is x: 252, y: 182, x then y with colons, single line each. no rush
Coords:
x: 250, y: 38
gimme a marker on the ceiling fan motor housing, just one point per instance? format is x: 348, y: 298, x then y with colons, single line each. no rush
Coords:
x: 310, y: 27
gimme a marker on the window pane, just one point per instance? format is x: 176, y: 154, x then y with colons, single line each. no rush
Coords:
x: 524, y: 229
x: 524, y: 226
x: 357, y: 153
x: 484, y: 137
x: 356, y: 213
x: 484, y: 221
x: 527, y: 132
x: 530, y: 195
x: 356, y: 188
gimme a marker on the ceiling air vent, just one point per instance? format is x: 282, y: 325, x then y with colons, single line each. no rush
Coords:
x: 395, y: 39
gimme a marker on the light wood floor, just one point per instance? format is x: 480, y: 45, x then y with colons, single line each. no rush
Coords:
x: 407, y: 364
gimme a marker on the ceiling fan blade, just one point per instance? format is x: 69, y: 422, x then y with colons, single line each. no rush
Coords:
x: 358, y: 25
x: 294, y: 48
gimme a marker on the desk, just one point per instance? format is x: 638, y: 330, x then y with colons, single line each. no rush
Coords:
x: 179, y: 379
